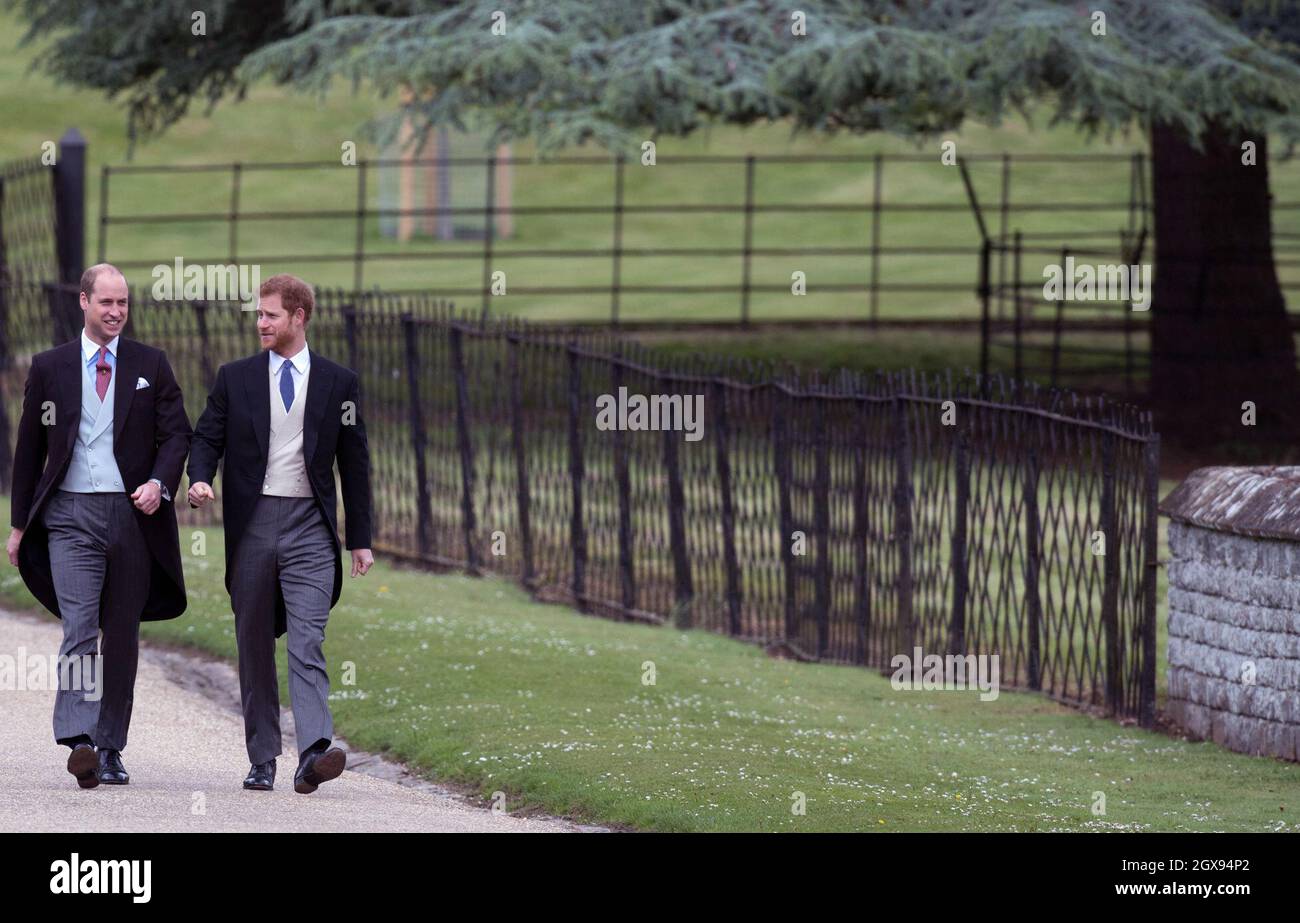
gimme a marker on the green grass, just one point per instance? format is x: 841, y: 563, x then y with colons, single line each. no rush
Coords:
x: 275, y: 125
x: 468, y: 680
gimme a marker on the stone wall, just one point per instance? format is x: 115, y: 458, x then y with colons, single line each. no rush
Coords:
x: 1234, y: 608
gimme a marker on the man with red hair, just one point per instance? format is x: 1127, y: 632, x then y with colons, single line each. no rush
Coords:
x: 282, y: 418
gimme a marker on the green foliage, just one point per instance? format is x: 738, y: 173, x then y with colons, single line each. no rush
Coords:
x: 568, y: 71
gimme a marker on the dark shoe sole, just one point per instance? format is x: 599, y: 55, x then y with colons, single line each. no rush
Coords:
x: 116, y: 781
x: 84, y: 764
x: 259, y: 788
x: 329, y: 766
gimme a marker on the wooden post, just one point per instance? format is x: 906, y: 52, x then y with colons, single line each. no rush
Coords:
x: 876, y: 174
x: 615, y: 282
x: 748, y: 241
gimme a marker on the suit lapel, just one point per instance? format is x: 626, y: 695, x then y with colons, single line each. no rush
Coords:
x: 124, y: 378
x: 257, y: 387
x: 319, y: 384
x: 69, y: 373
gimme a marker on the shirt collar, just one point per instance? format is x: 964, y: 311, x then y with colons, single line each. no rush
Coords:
x: 89, y: 347
x: 301, y: 360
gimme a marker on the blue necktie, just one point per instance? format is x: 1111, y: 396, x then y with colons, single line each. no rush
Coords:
x: 286, y: 385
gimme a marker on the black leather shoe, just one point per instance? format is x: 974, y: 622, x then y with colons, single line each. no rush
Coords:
x: 111, y: 770
x: 83, y: 764
x: 316, y: 767
x: 261, y: 777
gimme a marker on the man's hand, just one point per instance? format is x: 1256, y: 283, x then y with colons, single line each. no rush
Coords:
x: 201, y: 493
x: 147, y: 498
x: 362, y: 561
x: 16, y: 536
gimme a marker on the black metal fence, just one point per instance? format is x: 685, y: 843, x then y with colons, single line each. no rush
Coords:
x: 848, y: 518
x: 883, y: 263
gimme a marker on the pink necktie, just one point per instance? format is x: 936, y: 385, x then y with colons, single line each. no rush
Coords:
x: 103, y: 371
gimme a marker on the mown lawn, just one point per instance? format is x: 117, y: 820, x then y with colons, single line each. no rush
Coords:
x: 468, y: 680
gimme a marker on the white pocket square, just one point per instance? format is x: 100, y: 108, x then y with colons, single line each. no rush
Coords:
x: 141, y: 383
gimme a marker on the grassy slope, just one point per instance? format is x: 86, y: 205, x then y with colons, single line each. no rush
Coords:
x: 468, y: 680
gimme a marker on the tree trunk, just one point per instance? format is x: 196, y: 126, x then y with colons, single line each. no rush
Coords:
x: 1220, y: 335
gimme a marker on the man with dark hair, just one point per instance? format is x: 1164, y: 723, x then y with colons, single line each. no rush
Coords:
x: 282, y: 418
x: 101, y: 415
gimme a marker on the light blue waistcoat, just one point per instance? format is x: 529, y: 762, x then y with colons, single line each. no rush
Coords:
x: 93, y: 468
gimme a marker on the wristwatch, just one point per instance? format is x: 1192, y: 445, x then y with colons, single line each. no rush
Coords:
x: 163, y: 488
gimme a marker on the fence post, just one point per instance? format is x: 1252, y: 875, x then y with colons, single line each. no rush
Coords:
x: 1004, y: 210
x: 464, y: 444
x: 861, y: 576
x: 822, y: 524
x: 424, y: 505
x: 730, y: 560
x: 70, y: 205
x: 903, y: 524
x: 1110, y: 572
x: 236, y: 173
x: 489, y: 204
x: 1020, y: 369
x: 577, y: 531
x: 618, y: 239
x: 684, y: 591
x: 103, y: 213
x: 983, y: 292
x: 877, y: 167
x: 350, y: 336
x: 626, y: 571
x: 960, y: 568
x: 749, y: 239
x: 1058, y: 324
x: 781, y: 459
x: 522, y: 497
x: 205, y: 342
x: 1033, y: 558
x: 358, y: 268
x: 1147, y: 693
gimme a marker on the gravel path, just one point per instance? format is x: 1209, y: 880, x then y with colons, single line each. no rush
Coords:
x: 187, y: 762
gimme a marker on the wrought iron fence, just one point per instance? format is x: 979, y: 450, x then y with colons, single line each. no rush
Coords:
x: 847, y: 518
